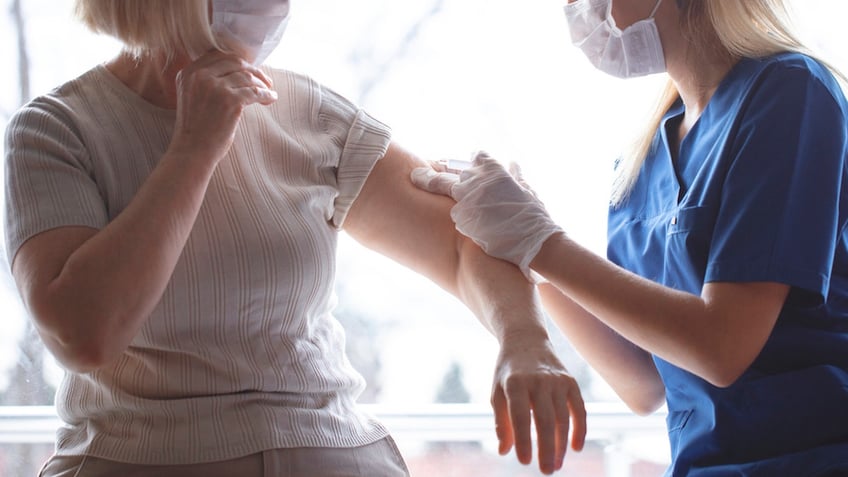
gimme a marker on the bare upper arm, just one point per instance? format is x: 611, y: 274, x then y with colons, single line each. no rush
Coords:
x: 747, y: 313
x: 409, y: 225
x: 750, y: 309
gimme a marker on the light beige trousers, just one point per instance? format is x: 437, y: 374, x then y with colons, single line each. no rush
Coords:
x: 380, y: 459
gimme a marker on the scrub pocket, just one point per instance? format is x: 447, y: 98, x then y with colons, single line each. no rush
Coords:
x: 688, y: 237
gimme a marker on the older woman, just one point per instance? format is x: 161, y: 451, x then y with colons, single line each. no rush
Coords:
x: 726, y: 288
x: 172, y: 221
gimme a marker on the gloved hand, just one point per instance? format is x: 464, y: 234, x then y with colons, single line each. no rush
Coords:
x: 494, y: 208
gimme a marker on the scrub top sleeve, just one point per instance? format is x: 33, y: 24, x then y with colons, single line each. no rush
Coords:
x: 779, y: 218
x: 48, y: 176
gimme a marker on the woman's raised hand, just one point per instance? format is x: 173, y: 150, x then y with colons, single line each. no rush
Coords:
x: 212, y: 92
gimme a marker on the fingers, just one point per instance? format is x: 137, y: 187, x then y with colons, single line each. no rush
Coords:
x: 482, y: 158
x: 428, y: 179
x: 250, y: 88
x: 482, y: 164
x: 218, y: 63
x: 553, y: 410
x: 534, y: 386
x: 248, y: 83
x: 503, y: 425
x: 562, y: 416
x: 515, y: 171
x: 548, y: 424
x: 518, y: 403
x: 228, y: 72
x: 212, y: 93
x: 577, y: 409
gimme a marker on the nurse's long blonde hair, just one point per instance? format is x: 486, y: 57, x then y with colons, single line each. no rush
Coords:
x: 742, y: 29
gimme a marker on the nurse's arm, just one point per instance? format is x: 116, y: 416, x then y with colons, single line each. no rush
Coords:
x: 414, y: 227
x: 716, y: 335
x: 628, y: 369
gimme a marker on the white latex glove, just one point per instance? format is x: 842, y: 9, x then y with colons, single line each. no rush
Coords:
x: 494, y: 208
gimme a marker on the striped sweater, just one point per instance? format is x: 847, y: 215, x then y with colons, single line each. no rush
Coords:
x: 242, y: 352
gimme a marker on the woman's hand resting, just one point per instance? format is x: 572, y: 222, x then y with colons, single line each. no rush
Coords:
x: 532, y: 384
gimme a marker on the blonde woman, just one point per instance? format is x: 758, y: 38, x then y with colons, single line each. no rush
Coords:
x: 172, y: 218
x: 725, y: 289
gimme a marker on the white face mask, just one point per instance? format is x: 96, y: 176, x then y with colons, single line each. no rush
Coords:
x: 251, y: 27
x: 635, y: 51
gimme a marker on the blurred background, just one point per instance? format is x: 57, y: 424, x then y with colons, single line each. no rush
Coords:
x: 450, y: 77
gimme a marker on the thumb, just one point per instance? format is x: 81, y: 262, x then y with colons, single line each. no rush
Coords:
x: 515, y: 172
x: 427, y: 179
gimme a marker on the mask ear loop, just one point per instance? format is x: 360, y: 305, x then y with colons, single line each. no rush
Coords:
x: 653, y: 12
x: 656, y: 7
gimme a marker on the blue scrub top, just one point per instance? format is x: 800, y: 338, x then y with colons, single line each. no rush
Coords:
x: 758, y: 193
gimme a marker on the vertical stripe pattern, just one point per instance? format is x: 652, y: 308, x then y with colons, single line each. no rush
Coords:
x: 242, y: 353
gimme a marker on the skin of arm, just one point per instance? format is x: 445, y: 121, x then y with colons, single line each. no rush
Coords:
x: 87, y: 290
x: 414, y: 228
x: 716, y: 335
x: 90, y: 291
x: 628, y: 369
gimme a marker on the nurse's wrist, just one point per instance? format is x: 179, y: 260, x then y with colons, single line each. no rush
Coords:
x: 547, y: 255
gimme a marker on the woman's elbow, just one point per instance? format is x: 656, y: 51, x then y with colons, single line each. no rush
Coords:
x: 76, y: 344
x: 78, y: 355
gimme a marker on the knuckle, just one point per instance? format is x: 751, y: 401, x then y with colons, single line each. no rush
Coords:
x: 514, y: 381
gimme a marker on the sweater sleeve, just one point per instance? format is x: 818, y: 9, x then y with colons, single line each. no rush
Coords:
x: 362, y: 141
x: 48, y: 176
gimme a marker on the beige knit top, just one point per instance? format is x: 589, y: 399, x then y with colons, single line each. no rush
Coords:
x: 242, y: 353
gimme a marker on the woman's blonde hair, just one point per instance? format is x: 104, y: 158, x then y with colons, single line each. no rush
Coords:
x: 145, y: 26
x: 738, y: 29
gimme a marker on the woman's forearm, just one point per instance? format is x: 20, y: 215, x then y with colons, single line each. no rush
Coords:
x: 108, y: 286
x: 529, y: 375
x: 91, y: 291
x: 497, y: 292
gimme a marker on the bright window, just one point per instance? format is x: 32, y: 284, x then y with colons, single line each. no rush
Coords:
x: 449, y: 77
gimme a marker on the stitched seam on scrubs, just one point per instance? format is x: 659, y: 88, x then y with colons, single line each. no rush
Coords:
x: 751, y: 272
